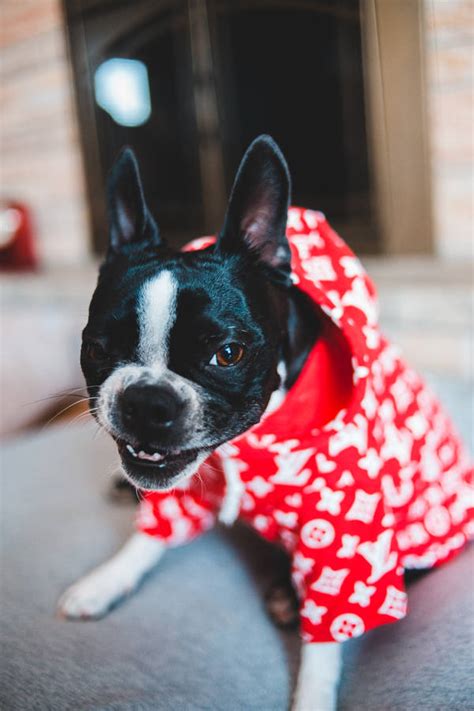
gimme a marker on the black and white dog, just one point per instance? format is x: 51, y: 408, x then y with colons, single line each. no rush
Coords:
x: 184, y: 351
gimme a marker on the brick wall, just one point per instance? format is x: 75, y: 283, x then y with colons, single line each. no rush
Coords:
x: 450, y: 58
x: 40, y: 161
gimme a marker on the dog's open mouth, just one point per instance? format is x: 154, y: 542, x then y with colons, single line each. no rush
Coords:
x: 140, y: 455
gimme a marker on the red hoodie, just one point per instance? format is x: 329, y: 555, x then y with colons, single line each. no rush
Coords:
x: 358, y: 473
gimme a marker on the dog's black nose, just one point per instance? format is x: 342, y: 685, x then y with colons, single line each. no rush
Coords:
x: 150, y: 409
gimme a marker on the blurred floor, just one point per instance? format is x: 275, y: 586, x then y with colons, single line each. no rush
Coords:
x: 426, y: 307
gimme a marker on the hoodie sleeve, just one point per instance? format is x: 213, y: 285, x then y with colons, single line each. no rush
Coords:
x: 346, y: 568
x: 177, y: 516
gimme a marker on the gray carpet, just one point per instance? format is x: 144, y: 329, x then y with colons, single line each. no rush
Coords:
x: 196, y: 635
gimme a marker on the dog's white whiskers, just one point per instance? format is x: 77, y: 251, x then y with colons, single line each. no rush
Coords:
x: 65, y: 409
x: 74, y: 392
x: 81, y: 418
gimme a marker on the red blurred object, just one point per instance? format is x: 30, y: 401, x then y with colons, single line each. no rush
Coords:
x: 17, y: 239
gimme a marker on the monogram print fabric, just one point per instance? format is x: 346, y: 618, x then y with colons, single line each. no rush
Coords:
x: 382, y: 486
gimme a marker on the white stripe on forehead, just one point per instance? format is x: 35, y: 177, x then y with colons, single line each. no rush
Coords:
x: 156, y: 316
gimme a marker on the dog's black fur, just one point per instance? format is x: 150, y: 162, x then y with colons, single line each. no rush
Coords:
x: 237, y: 291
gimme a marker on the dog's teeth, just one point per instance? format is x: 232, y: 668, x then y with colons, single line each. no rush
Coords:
x: 149, y: 457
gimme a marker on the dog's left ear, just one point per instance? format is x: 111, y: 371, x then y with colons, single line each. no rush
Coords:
x: 130, y: 222
x: 258, y: 207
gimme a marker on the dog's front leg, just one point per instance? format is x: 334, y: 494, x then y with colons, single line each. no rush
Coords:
x: 96, y: 593
x: 318, y: 677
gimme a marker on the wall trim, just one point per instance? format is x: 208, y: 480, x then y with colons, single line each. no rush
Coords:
x: 398, y: 135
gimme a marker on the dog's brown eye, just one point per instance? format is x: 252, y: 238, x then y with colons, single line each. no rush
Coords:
x: 96, y: 352
x: 230, y: 354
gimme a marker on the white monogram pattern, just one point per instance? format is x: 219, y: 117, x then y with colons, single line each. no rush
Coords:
x: 330, y: 501
x: 362, y: 594
x: 381, y: 486
x: 259, y: 486
x: 313, y: 612
x: 377, y: 554
x: 363, y: 508
x: 349, y: 546
x: 346, y: 627
x: 330, y: 581
x: 318, y: 533
x: 395, y: 603
x: 372, y: 463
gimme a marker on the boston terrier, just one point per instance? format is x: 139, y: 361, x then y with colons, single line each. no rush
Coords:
x: 259, y: 352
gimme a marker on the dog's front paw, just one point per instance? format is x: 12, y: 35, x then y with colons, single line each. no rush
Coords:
x: 318, y: 678
x: 92, y: 597
x: 321, y: 701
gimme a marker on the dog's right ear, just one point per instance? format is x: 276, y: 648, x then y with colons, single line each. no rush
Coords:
x: 130, y: 222
x: 258, y: 208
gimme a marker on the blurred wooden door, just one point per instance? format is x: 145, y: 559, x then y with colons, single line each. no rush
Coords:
x: 223, y: 71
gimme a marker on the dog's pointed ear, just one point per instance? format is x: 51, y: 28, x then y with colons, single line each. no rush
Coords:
x: 258, y: 207
x: 130, y: 222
